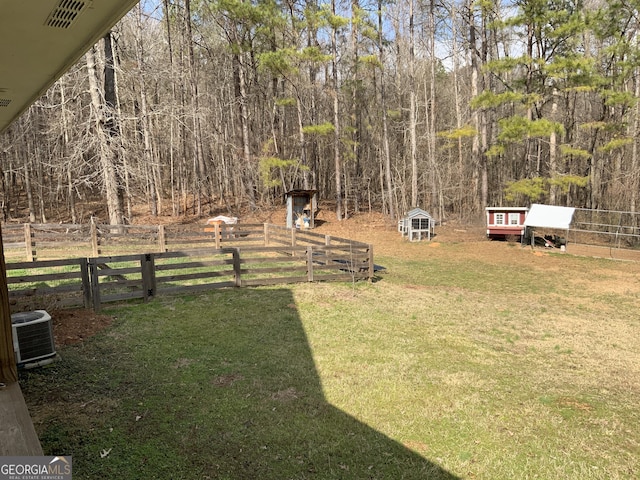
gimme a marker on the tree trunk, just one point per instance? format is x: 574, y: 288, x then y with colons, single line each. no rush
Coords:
x: 634, y: 176
x: 68, y: 166
x: 478, y: 115
x: 27, y: 178
x: 105, y: 152
x: 553, y: 152
x: 484, y: 116
x: 147, y: 154
x: 385, y: 128
x: 413, y: 109
x: 356, y: 106
x: 430, y: 102
x: 244, y: 128
x: 200, y: 173
x: 462, y: 195
x: 336, y: 118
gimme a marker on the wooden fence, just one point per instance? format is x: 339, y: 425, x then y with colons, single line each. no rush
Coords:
x: 32, y: 242
x: 260, y: 255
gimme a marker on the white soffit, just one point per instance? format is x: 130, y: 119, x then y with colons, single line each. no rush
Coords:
x: 548, y: 216
x: 41, y: 39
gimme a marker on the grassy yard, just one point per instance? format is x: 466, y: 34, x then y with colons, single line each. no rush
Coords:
x: 448, y: 367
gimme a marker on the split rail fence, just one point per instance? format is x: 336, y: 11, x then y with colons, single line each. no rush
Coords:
x: 103, y: 262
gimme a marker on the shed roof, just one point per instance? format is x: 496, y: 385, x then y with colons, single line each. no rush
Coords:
x: 300, y: 191
x: 417, y: 212
x: 507, y: 209
x: 548, y: 216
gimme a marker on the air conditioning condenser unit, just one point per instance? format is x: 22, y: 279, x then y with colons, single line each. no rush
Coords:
x: 33, y: 340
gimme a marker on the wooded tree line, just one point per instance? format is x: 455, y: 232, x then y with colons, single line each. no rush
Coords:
x: 451, y: 105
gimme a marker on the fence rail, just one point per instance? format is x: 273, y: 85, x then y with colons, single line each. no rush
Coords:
x: 261, y: 255
x: 32, y: 242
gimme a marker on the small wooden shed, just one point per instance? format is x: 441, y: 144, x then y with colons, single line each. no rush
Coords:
x: 301, y: 208
x: 417, y: 225
x: 505, y: 222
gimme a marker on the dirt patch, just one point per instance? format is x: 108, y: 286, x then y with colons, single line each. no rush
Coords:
x: 227, y: 380
x: 286, y: 395
x: 71, y: 326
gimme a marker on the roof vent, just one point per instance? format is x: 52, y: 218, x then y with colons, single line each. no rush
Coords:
x: 65, y: 13
x: 4, y: 102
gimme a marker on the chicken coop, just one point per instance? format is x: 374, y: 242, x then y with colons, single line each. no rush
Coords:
x: 506, y: 222
x: 417, y: 225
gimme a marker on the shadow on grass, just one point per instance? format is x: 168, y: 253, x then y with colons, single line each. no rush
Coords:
x: 220, y: 386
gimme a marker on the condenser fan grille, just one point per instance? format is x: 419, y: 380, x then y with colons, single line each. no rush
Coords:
x: 33, y: 337
x: 35, y: 340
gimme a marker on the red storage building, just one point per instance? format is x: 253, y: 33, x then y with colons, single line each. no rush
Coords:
x: 505, y: 222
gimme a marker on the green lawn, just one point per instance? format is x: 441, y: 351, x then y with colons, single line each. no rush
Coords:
x: 443, y: 368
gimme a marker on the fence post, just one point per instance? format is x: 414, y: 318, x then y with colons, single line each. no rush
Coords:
x: 327, y: 240
x: 94, y: 238
x: 236, y: 266
x: 371, y: 265
x: 293, y: 237
x: 29, y: 243
x: 95, y: 284
x: 162, y: 239
x: 148, y: 270
x: 86, y: 282
x: 310, y: 263
x: 217, y: 234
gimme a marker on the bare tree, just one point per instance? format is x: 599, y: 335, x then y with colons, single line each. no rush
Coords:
x: 336, y: 118
x: 104, y: 148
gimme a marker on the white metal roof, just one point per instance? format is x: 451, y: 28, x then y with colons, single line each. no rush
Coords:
x: 548, y: 216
